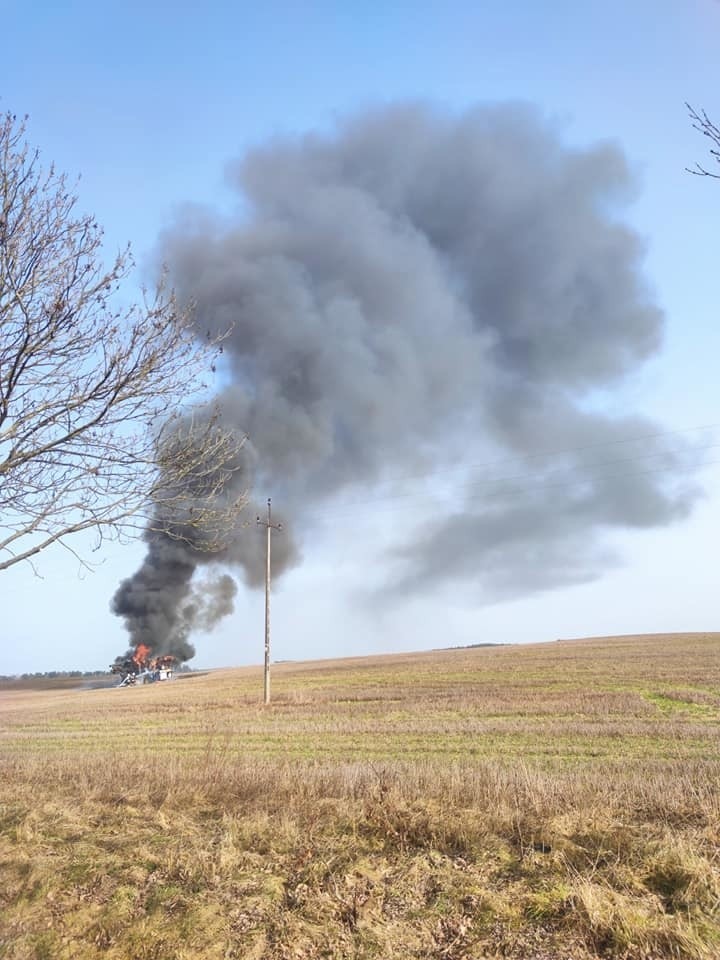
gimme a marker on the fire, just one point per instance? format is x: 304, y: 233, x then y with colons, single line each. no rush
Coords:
x: 140, y: 657
x: 141, y: 664
x: 166, y: 662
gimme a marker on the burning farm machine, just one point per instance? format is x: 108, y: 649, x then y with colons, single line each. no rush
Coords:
x: 141, y: 667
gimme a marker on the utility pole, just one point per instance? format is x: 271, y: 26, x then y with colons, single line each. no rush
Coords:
x: 270, y: 526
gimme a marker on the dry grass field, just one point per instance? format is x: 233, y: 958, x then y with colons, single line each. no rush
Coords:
x: 554, y: 802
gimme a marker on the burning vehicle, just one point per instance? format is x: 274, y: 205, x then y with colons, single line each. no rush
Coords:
x: 140, y: 666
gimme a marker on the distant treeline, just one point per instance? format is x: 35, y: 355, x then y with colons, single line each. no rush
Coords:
x: 71, y: 674
x: 53, y: 675
x: 471, y: 646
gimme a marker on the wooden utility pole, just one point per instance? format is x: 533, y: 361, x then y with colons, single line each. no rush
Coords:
x: 270, y: 526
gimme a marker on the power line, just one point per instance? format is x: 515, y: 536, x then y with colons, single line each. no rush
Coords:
x: 613, y: 476
x: 545, y: 486
x: 563, y: 451
x: 546, y: 478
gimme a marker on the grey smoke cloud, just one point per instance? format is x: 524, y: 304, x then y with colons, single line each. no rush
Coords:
x: 153, y: 600
x: 415, y: 282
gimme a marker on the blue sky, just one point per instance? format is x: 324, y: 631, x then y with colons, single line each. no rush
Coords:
x: 148, y: 102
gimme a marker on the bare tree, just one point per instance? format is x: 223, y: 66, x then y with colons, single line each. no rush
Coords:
x: 704, y: 125
x: 94, y: 426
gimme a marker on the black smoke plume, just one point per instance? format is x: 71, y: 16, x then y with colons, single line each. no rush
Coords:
x: 411, y: 284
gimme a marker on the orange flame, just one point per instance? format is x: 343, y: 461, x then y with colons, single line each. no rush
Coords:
x: 165, y: 662
x: 141, y: 654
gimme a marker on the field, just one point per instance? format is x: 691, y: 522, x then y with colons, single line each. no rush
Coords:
x: 546, y: 802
